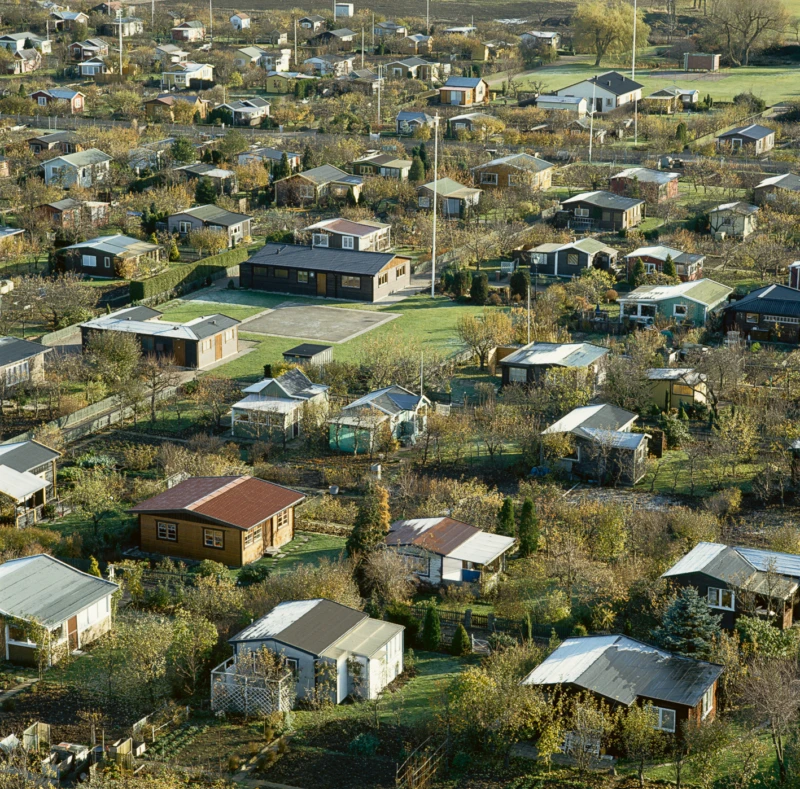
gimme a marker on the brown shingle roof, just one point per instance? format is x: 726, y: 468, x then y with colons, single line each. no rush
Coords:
x: 241, y: 502
x: 441, y: 538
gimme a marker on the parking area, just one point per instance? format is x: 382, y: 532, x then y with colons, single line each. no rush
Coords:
x: 312, y: 322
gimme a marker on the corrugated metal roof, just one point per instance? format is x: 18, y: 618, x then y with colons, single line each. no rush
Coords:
x: 20, y: 485
x: 463, y: 82
x: 601, y: 417
x: 615, y: 438
x: 447, y: 187
x: 522, y: 161
x: 215, y: 215
x: 84, y: 158
x: 770, y: 300
x: 310, y: 625
x: 47, y: 590
x: 366, y: 639
x: 752, y: 132
x: 391, y: 400
x: 646, y: 175
x: 623, y: 669
x: 437, y: 535
x: 117, y: 245
x: 12, y: 350
x: 737, y: 207
x: 686, y: 375
x: 704, y: 291
x: 557, y: 354
x: 788, y: 181
x: 482, y: 548
x: 241, y: 502
x: 766, y: 561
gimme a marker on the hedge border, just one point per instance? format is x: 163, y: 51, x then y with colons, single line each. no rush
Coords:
x: 187, y: 274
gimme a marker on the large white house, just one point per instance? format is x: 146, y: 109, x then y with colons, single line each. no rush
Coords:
x: 84, y: 168
x: 609, y: 91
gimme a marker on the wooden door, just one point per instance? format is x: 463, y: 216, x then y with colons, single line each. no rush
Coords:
x: 218, y: 347
x: 179, y: 352
x: 322, y: 284
x: 72, y: 632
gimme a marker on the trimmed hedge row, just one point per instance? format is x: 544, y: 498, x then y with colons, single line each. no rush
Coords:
x: 178, y: 276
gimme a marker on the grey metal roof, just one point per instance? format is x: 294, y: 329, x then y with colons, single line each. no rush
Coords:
x: 326, y: 174
x: 317, y: 629
x: 645, y: 175
x: 12, y: 350
x: 43, y: 588
x: 23, y: 456
x: 390, y: 400
x: 85, y: 158
x: 215, y: 215
x: 463, y: 82
x: 612, y: 81
x: 603, y: 199
x: 408, y: 115
x: 788, y: 181
x: 299, y: 256
x: 771, y: 300
x: 213, y: 324
x: 522, y: 161
x: 555, y: 354
x: 117, y: 245
x: 738, y: 207
x: 751, y: 132
x: 623, y: 669
x: 139, y: 313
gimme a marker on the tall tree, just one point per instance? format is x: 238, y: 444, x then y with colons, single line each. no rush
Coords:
x: 417, y: 171
x: 193, y: 639
x: 689, y: 628
x: 483, y: 332
x: 605, y: 27
x: 114, y: 357
x: 640, y: 736
x: 204, y: 192
x: 158, y: 373
x: 742, y: 27
x: 506, y: 524
x: 372, y: 522
x: 668, y: 270
x: 528, y: 529
x: 307, y: 162
x: 182, y: 149
x: 432, y: 629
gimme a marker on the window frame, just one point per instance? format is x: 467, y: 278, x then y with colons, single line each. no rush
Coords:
x: 348, y: 280
x: 302, y: 277
x: 582, y: 213
x: 208, y: 532
x: 293, y: 664
x: 348, y: 242
x: 383, y: 279
x: 284, y: 273
x: 707, y: 703
x: 680, y: 310
x: 489, y: 178
x: 660, y: 722
x: 748, y: 318
x: 320, y: 240
x: 718, y: 596
x: 169, y: 526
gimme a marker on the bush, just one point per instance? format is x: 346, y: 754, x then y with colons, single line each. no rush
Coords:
x: 675, y: 431
x: 611, y: 295
x: 9, y: 705
x: 234, y: 763
x: 401, y: 615
x: 725, y: 502
x: 187, y: 274
x: 520, y: 283
x: 432, y: 630
x: 49, y: 510
x: 92, y: 460
x: 500, y: 641
x: 461, y: 644
x: 494, y: 300
x: 253, y: 574
x: 208, y: 568
x: 139, y: 457
x: 364, y: 744
x: 479, y: 290
x: 580, y: 630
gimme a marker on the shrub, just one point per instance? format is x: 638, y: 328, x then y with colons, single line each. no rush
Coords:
x: 611, y: 295
x: 253, y: 574
x: 520, y: 283
x: 479, y: 290
x: 580, y: 630
x: 432, y: 630
x: 401, y: 615
x: 364, y: 744
x: 282, y: 475
x: 208, y: 568
x: 9, y: 705
x: 49, y: 510
x: 500, y: 641
x: 92, y: 460
x: 234, y: 763
x: 461, y: 644
x: 139, y: 457
x: 725, y: 502
x: 494, y: 300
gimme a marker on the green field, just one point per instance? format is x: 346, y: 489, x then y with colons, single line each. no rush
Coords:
x: 773, y: 84
x: 431, y: 323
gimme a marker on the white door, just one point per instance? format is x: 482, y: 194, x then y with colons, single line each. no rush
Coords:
x: 342, y: 682
x: 455, y: 97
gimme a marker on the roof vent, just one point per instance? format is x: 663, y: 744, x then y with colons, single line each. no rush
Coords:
x: 608, y: 82
x: 213, y: 323
x: 176, y: 327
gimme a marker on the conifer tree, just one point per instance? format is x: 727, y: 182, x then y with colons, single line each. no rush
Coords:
x: 94, y: 568
x: 308, y: 158
x: 688, y: 628
x: 371, y: 523
x: 417, y: 171
x: 528, y: 529
x: 432, y: 630
x: 505, y: 519
x: 668, y: 269
x: 461, y: 644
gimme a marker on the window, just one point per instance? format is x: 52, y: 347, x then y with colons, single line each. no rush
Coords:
x: 680, y: 310
x: 282, y: 519
x: 517, y: 375
x: 280, y: 273
x: 721, y: 598
x: 582, y: 212
x: 42, y: 101
x: 682, y: 389
x: 167, y: 531
x: 320, y: 240
x: 57, y: 633
x: 185, y: 228
x: 424, y: 202
x: 779, y: 319
x: 489, y: 178
x: 17, y: 373
x: 293, y: 664
x: 351, y: 282
x: 383, y: 278
x: 307, y: 192
x: 708, y: 701
x: 107, y: 262
x: 252, y: 536
x: 17, y: 633
x: 302, y: 276
x: 213, y: 538
x: 417, y: 564
x: 651, y: 268
x: 347, y: 242
x: 89, y: 261
x: 205, y: 345
x: 647, y: 310
x: 229, y: 335
x: 400, y: 271
x: 572, y: 259
x: 630, y: 309
x: 666, y: 719
x: 751, y: 317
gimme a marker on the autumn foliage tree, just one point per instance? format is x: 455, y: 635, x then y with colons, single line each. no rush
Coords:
x: 484, y: 332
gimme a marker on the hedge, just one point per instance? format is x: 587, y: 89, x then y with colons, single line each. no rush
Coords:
x: 178, y: 276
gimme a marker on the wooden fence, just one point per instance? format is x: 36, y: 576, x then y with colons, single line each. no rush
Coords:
x: 419, y: 770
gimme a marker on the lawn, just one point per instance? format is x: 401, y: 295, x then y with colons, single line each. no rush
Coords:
x: 306, y: 548
x: 429, y: 323
x: 773, y: 84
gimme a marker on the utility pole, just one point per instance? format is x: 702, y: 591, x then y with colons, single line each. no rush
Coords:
x: 210, y: 22
x: 427, y: 17
x: 591, y: 120
x: 373, y: 32
x: 152, y: 12
x: 380, y: 90
x: 435, y: 202
x: 362, y: 46
x: 295, y: 42
x: 529, y: 314
x: 633, y: 77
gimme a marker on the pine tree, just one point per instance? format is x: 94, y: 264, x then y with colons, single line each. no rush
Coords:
x: 479, y: 290
x: 204, y: 192
x: 668, y: 269
x: 308, y: 158
x: 352, y: 200
x: 682, y: 133
x: 174, y: 252
x: 282, y: 169
x: 371, y: 523
x: 417, y: 171
x: 688, y: 628
x: 461, y: 645
x: 94, y: 568
x: 505, y: 519
x: 528, y: 529
x: 432, y: 630
x: 637, y: 275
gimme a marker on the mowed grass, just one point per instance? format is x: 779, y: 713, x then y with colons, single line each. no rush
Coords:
x: 773, y: 84
x: 431, y: 324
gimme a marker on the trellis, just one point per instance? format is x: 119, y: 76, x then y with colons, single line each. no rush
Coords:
x: 249, y: 694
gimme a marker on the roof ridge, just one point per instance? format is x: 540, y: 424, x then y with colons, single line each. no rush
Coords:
x: 208, y: 496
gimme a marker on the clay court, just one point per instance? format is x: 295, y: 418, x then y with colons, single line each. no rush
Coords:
x: 312, y: 322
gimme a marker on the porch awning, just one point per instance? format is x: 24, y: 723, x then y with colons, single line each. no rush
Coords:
x: 482, y: 548
x: 20, y: 485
